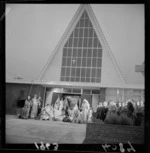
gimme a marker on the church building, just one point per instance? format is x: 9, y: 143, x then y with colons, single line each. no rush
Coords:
x: 83, y: 66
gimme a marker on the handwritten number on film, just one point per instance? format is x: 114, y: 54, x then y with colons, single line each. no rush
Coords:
x: 46, y: 146
x: 108, y: 148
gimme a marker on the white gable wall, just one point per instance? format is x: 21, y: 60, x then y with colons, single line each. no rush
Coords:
x: 109, y: 74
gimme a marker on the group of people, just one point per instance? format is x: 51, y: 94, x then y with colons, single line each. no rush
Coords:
x: 63, y: 111
x: 130, y: 108
x: 32, y: 108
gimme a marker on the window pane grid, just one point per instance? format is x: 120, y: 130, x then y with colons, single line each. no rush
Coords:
x: 82, y: 53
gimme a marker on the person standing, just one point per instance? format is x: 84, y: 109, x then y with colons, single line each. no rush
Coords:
x: 26, y: 108
x: 39, y: 103
x: 34, y: 107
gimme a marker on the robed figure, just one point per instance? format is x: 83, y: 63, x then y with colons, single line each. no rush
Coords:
x: 26, y: 108
x: 39, y: 103
x: 47, y: 113
x: 34, y: 107
x: 85, y: 109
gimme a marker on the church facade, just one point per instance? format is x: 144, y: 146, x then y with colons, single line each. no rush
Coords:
x: 82, y: 66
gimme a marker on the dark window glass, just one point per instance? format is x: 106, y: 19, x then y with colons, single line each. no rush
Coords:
x: 80, y: 42
x: 94, y: 52
x: 75, y: 44
x: 89, y: 52
x: 88, y: 72
x: 95, y: 35
x: 81, y: 22
x: 65, y: 52
x: 86, y: 91
x: 66, y: 78
x: 90, y: 32
x: 85, y: 15
x: 68, y: 61
x: 66, y: 44
x: 90, y: 42
x: 95, y: 91
x: 90, y: 24
x: 93, y: 79
x: 74, y: 62
x: 71, y: 34
x: 99, y: 62
x: 67, y: 90
x: 93, y: 72
x: 98, y: 73
x: 85, y: 42
x: 78, y: 24
x: 73, y: 72
x: 76, y: 33
x: 74, y: 52
x: 62, y: 79
x: 76, y: 90
x: 87, y: 79
x: 77, y: 79
x: 95, y: 42
x: 84, y: 52
x: 83, y: 72
x: 99, y: 52
x: 82, y: 16
x: 79, y: 52
x: 85, y: 32
x: 64, y: 61
x: 88, y: 62
x: 83, y: 62
x: 69, y: 52
x: 83, y: 79
x: 72, y: 78
x: 86, y: 22
x: 78, y: 62
x: 81, y: 32
x: 99, y: 45
x: 63, y: 71
x: 77, y: 72
x: 94, y: 60
x: 67, y: 71
x: 70, y: 42
x: 98, y: 80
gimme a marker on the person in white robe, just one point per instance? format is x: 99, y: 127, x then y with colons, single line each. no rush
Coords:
x: 26, y: 108
x: 47, y: 113
x: 90, y: 115
x: 58, y: 111
x: 34, y: 107
x: 85, y: 109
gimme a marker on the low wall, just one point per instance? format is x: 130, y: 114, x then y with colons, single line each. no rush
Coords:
x: 113, y: 134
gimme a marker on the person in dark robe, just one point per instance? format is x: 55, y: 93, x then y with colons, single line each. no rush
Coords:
x: 26, y: 108
x: 39, y: 103
x: 20, y: 105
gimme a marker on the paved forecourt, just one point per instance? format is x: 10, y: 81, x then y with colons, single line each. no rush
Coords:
x: 30, y: 131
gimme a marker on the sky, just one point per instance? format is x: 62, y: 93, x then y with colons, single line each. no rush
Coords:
x: 33, y: 31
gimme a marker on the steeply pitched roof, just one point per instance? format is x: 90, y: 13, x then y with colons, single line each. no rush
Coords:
x: 100, y: 35
x: 126, y: 69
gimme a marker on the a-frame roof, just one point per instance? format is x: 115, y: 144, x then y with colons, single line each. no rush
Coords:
x: 100, y: 36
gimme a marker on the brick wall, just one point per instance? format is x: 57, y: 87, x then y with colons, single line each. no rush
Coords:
x: 111, y: 94
x: 16, y: 91
x: 104, y: 133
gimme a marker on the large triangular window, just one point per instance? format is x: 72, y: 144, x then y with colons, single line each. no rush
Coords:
x: 82, y: 54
